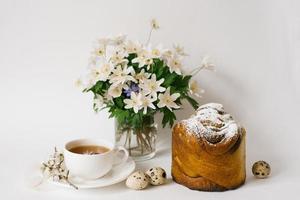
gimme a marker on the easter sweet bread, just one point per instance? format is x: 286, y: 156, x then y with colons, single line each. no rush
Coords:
x: 208, y: 150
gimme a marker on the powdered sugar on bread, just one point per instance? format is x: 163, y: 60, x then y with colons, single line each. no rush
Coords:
x: 212, y: 123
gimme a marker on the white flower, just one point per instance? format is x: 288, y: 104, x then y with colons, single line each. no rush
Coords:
x: 102, y: 72
x: 116, y: 40
x: 92, y: 60
x: 167, y: 54
x: 116, y: 55
x: 98, y: 102
x: 133, y: 47
x: 121, y: 75
x: 157, y: 51
x: 143, y: 58
x: 142, y: 76
x: 152, y: 86
x: 104, y: 41
x: 119, y: 39
x: 79, y: 83
x: 118, y: 58
x: 174, y: 63
x: 134, y: 102
x: 168, y: 100
x: 207, y: 64
x: 99, y: 51
x: 106, y: 69
x: 88, y: 82
x: 107, y: 97
x: 115, y: 90
x: 194, y: 88
x: 84, y: 83
x: 154, y: 24
x: 147, y: 101
x: 179, y: 50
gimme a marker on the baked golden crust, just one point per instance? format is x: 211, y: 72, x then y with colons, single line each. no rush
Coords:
x: 201, y: 165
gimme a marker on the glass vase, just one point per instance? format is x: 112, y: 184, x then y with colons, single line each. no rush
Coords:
x: 140, y: 142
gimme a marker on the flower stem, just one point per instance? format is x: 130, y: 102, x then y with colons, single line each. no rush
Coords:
x: 149, y: 36
x: 196, y: 70
x: 129, y: 141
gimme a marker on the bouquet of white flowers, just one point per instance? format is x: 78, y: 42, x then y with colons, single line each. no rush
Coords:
x: 135, y: 81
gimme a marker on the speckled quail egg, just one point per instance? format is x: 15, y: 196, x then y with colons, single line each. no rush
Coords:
x: 261, y: 169
x: 137, y: 181
x: 158, y: 175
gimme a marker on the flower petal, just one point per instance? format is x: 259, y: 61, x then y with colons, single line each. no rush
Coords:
x: 161, y: 89
x: 161, y: 81
x: 175, y: 96
x: 173, y: 105
x: 145, y: 111
x: 151, y: 105
x: 161, y: 104
x: 135, y: 109
x: 128, y: 106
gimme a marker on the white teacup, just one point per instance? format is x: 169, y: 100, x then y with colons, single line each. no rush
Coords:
x: 92, y: 166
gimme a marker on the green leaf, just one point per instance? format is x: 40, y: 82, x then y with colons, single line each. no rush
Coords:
x: 186, y: 80
x: 99, y: 88
x: 192, y: 101
x: 182, y: 81
x: 159, y: 69
x: 159, y: 73
x: 169, y: 80
x: 168, y: 118
x: 119, y: 102
x: 137, y: 120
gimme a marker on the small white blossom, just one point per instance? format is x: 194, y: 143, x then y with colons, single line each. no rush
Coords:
x: 88, y: 82
x: 102, y: 72
x: 98, y: 102
x: 194, y: 88
x: 135, y: 102
x: 121, y: 75
x: 207, y: 64
x: 118, y: 40
x: 154, y: 24
x: 168, y: 100
x: 175, y: 64
x: 179, y: 50
x: 117, y: 55
x: 143, y: 58
x: 157, y: 51
x: 115, y: 41
x: 133, y: 47
x: 166, y: 55
x: 104, y: 41
x: 147, y: 101
x: 115, y: 90
x: 99, y: 51
x: 92, y: 61
x: 142, y: 76
x: 152, y: 86
x: 107, y: 97
x: 79, y: 83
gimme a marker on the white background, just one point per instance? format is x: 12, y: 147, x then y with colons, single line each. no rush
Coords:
x: 44, y: 48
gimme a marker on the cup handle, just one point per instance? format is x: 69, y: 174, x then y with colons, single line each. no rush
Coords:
x: 124, y: 158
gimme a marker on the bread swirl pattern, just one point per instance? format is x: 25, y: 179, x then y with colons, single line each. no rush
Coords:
x: 208, y: 150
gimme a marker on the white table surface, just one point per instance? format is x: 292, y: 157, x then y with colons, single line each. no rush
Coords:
x: 20, y: 159
x: 44, y: 47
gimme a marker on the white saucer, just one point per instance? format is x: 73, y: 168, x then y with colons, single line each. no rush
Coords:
x: 117, y: 174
